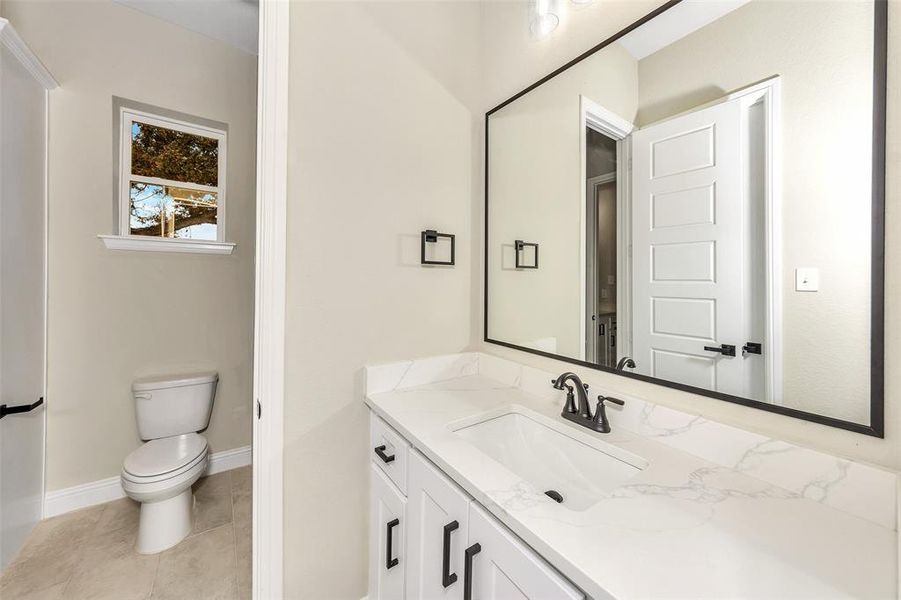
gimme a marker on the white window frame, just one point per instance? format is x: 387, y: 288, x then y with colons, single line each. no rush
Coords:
x: 125, y: 240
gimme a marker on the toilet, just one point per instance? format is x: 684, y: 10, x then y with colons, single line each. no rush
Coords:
x: 170, y: 412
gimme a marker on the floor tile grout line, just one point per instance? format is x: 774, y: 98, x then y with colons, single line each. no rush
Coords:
x: 156, y: 573
x: 92, y: 533
x: 113, y: 516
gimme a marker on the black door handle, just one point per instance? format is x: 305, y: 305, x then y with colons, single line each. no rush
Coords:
x: 467, y: 570
x: 390, y: 562
x: 752, y: 348
x: 380, y: 450
x: 448, y: 578
x: 724, y: 349
x: 21, y: 408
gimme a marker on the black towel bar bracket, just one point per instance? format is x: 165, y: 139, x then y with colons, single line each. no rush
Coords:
x: 519, y: 246
x: 430, y: 236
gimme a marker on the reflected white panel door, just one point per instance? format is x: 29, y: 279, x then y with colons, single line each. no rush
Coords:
x: 437, y: 528
x: 687, y: 248
x: 22, y: 299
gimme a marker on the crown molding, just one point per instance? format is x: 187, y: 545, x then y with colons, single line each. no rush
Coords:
x: 17, y: 46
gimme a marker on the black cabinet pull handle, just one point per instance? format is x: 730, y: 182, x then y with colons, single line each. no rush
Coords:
x: 467, y: 570
x: 390, y: 562
x: 380, y: 450
x: 448, y: 578
x: 724, y: 349
x: 20, y: 408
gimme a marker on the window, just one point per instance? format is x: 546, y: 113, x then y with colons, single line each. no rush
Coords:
x: 171, y: 182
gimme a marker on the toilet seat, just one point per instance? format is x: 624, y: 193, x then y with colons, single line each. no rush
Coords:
x: 166, y: 458
x: 159, y: 475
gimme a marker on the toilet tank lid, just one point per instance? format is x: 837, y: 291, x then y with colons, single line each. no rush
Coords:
x: 170, y: 381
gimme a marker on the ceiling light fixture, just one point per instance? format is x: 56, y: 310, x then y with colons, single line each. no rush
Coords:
x: 544, y: 19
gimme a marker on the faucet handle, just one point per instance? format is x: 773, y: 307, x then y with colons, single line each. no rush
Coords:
x: 599, y: 411
x: 602, y: 424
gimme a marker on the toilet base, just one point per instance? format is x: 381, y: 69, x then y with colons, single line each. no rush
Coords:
x: 164, y: 524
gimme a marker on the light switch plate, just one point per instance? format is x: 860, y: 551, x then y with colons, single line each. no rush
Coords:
x: 807, y: 279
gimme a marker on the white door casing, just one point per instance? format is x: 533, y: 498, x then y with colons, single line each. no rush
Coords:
x: 25, y: 84
x: 687, y: 248
x: 269, y: 306
x: 594, y: 116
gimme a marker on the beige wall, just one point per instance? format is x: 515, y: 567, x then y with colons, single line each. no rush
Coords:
x: 824, y: 54
x: 512, y: 62
x: 115, y: 316
x: 382, y: 144
x: 536, y: 191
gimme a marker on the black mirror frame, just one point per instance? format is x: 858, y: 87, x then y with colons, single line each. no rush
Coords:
x: 876, y: 428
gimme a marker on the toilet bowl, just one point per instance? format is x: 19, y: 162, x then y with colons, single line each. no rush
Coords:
x: 170, y: 411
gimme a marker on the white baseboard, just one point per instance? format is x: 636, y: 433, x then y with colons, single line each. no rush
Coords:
x: 228, y: 460
x: 82, y: 496
x: 66, y: 500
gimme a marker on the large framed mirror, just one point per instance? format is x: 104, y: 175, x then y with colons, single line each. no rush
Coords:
x: 698, y: 202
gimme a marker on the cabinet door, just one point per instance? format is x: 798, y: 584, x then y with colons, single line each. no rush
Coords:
x: 438, y: 523
x: 387, y: 522
x: 500, y: 567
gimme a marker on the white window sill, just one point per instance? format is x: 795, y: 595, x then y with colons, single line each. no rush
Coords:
x: 152, y: 244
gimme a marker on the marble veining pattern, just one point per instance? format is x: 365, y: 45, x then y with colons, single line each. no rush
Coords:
x: 814, y: 475
x: 718, y: 511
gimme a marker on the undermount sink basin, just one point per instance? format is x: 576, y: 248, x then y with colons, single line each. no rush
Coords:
x: 575, y: 472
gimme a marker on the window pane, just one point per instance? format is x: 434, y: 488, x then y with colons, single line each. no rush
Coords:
x: 170, y: 154
x: 146, y: 207
x: 166, y: 211
x: 192, y: 215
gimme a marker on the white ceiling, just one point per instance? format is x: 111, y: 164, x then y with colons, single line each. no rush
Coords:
x: 676, y: 23
x: 231, y: 21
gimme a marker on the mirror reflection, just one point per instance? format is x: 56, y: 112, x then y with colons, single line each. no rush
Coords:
x: 699, y: 196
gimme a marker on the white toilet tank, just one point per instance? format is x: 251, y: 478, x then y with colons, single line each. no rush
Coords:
x: 174, y: 404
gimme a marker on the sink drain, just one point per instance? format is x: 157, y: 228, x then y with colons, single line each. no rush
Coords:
x: 554, y: 495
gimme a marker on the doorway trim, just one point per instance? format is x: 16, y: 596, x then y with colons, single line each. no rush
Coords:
x: 594, y: 116
x: 269, y: 311
x: 769, y: 93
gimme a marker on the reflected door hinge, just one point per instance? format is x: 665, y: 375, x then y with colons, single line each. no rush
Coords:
x: 259, y: 410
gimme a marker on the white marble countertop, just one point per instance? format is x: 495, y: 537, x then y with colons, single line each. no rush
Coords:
x: 681, y: 528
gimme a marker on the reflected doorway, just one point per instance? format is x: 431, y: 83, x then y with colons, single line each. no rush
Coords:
x: 601, y: 260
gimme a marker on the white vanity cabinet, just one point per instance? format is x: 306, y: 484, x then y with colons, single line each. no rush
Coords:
x: 437, y: 534
x: 503, y: 568
x: 446, y: 545
x: 387, y: 524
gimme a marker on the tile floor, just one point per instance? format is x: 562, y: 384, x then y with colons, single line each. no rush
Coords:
x: 90, y: 553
